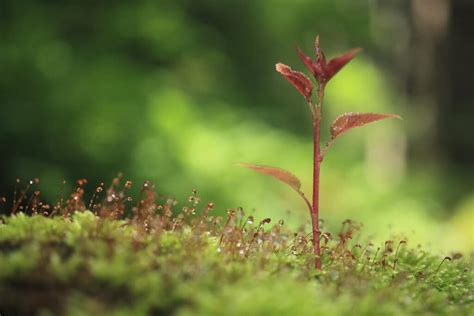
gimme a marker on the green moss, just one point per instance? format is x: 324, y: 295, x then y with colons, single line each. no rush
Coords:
x: 86, y: 265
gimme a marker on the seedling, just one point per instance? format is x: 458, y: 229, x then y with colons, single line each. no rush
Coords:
x: 323, y: 72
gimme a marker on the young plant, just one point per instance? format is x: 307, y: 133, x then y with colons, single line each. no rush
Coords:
x: 322, y: 71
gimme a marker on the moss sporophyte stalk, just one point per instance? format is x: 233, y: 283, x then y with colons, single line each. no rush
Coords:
x: 322, y: 71
x: 115, y: 252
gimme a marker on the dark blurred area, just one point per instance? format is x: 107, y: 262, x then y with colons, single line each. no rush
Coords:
x: 177, y: 91
x: 432, y: 64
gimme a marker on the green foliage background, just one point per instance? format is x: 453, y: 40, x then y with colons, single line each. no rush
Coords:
x: 178, y: 91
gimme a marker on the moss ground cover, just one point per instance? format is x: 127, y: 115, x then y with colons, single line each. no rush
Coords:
x: 158, y: 258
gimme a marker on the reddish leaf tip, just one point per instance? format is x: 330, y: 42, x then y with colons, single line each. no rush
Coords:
x: 320, y: 58
x: 356, y: 51
x: 282, y: 68
x: 307, y: 61
x: 337, y: 63
x: 297, y: 79
x: 277, y: 173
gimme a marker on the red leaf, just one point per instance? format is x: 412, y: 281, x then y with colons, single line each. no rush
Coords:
x: 347, y: 121
x: 320, y: 58
x: 307, y: 61
x: 320, y: 64
x: 277, y: 173
x: 336, y: 64
x: 297, y: 79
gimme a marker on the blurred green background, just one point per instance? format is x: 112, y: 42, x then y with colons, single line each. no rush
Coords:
x: 178, y: 91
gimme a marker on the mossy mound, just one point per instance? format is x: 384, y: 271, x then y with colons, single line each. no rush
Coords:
x: 197, y: 264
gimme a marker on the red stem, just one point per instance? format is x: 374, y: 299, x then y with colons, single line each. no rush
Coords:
x: 316, y: 172
x: 315, y: 208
